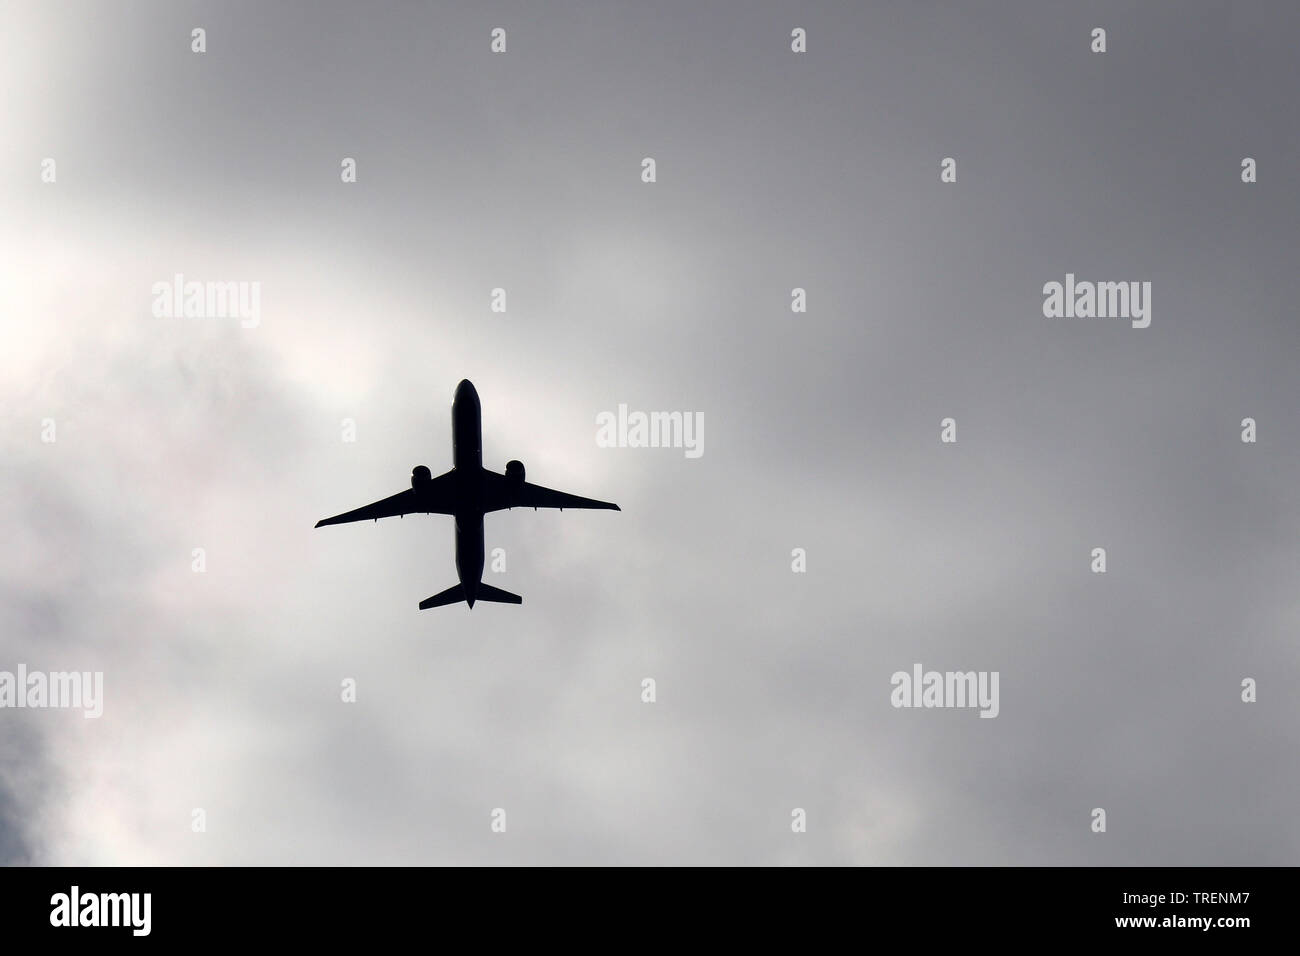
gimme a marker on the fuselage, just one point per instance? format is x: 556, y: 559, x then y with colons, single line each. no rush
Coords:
x: 467, y: 458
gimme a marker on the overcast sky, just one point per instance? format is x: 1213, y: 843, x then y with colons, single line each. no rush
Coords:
x: 775, y: 170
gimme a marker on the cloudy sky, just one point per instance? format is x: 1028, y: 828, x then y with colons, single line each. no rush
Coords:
x: 775, y: 170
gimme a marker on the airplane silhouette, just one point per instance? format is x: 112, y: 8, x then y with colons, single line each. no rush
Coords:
x: 468, y: 491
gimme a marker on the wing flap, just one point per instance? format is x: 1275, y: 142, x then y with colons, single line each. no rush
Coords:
x: 503, y: 493
x: 535, y: 496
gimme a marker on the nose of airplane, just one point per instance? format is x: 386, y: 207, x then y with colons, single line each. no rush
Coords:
x: 465, y: 390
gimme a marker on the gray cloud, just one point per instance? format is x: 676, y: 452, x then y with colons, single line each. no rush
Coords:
x: 775, y: 171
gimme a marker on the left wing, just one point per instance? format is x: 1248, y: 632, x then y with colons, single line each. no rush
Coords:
x: 503, y: 493
x: 436, y: 496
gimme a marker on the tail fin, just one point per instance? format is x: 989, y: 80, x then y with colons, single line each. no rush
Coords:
x: 453, y: 595
x: 456, y: 593
x: 487, y: 592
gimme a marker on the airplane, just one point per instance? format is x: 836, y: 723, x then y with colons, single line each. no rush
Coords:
x: 468, y: 492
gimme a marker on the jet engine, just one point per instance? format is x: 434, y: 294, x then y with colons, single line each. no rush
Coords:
x: 515, y: 474
x: 420, y: 475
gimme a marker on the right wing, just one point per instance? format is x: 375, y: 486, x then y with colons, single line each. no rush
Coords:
x: 535, y: 496
x: 500, y: 493
x: 436, y: 497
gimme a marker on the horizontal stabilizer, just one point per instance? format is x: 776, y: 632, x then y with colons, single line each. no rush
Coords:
x: 487, y: 592
x: 453, y: 595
